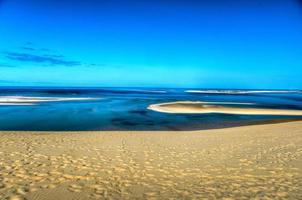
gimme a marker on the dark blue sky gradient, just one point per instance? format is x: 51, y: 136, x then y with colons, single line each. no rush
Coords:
x: 160, y: 43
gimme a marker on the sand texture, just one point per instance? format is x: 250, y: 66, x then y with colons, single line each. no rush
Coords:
x: 206, y: 107
x: 250, y: 162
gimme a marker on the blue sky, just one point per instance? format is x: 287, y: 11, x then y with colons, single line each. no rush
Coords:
x: 160, y: 43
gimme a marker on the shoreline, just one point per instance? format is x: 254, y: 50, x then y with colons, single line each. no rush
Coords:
x: 216, y: 127
x: 192, y: 129
x: 256, y: 161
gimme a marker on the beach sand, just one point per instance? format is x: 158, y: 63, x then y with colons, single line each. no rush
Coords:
x: 195, y: 107
x: 259, y: 161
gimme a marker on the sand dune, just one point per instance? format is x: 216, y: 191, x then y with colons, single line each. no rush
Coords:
x: 205, y: 107
x: 252, y: 162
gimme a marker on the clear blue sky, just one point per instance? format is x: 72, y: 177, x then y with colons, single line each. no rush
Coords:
x: 161, y: 43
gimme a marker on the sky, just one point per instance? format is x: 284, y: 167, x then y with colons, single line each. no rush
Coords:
x: 161, y: 43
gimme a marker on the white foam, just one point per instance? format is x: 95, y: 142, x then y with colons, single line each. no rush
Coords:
x: 23, y: 100
x: 241, y: 91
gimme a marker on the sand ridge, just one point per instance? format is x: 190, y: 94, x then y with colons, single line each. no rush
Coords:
x: 262, y: 161
x: 198, y: 107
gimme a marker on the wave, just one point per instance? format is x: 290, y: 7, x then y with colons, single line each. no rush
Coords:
x: 241, y: 91
x: 24, y: 100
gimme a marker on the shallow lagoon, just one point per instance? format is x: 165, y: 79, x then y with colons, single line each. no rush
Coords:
x: 126, y: 109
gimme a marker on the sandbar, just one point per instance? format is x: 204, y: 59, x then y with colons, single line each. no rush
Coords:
x: 191, y: 107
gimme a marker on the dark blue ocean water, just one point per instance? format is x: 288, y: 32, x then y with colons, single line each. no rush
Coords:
x: 125, y: 109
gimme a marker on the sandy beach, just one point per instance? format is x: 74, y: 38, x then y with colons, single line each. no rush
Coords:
x: 199, y: 107
x: 260, y: 162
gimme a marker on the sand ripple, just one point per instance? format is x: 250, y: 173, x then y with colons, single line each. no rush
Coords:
x: 258, y: 162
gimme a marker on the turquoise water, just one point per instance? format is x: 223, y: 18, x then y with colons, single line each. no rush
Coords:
x: 125, y: 109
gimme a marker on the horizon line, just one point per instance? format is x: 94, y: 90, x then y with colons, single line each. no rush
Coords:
x: 195, y: 88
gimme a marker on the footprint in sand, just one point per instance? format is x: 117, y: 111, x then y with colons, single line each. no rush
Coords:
x: 16, y: 197
x: 75, y: 188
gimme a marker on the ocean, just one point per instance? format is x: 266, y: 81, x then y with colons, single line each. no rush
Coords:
x: 96, y: 109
